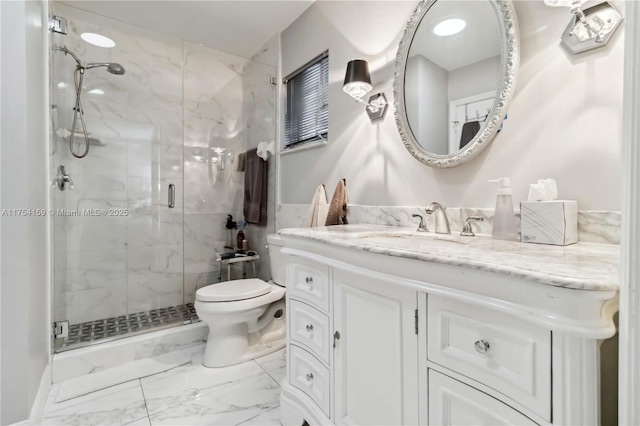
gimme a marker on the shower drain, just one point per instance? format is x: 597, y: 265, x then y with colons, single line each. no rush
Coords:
x: 124, y: 325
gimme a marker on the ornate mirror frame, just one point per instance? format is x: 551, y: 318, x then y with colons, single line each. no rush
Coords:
x: 510, y: 59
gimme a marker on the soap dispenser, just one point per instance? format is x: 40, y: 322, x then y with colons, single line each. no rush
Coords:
x: 504, y: 221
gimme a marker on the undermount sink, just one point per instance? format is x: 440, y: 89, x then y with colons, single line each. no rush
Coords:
x: 413, y: 237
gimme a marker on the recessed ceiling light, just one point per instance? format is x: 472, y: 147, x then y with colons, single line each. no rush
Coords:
x: 97, y: 92
x: 62, y: 85
x: 449, y: 27
x: 97, y: 40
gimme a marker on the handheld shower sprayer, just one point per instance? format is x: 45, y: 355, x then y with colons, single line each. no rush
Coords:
x: 78, y: 77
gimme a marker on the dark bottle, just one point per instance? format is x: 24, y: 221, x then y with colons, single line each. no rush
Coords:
x: 239, y: 239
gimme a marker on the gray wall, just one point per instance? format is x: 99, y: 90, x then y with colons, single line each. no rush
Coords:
x: 474, y: 79
x: 426, y: 88
x: 564, y: 123
x: 23, y: 263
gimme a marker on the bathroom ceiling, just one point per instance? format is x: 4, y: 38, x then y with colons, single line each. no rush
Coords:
x: 237, y: 26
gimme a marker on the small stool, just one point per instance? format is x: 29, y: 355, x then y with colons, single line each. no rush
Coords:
x: 239, y: 258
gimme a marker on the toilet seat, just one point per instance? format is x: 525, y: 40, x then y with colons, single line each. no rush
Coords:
x: 230, y: 291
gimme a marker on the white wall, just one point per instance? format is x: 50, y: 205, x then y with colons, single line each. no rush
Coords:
x: 426, y: 86
x: 23, y: 275
x: 565, y: 121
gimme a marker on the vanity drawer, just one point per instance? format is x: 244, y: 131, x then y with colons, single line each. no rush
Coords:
x: 311, y: 377
x: 501, y: 351
x: 309, y: 281
x: 453, y: 403
x: 309, y: 327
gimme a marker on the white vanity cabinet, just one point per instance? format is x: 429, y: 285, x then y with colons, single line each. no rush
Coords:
x: 376, y: 369
x: 379, y: 338
x: 354, y: 362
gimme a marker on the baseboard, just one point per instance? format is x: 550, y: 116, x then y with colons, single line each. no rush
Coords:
x: 37, y: 409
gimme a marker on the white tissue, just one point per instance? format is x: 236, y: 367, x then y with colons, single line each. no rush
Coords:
x: 264, y: 148
x: 544, y: 190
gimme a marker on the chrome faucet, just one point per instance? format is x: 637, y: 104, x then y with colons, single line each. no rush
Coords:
x: 442, y: 221
x: 62, y: 179
x: 422, y: 226
x: 467, y: 230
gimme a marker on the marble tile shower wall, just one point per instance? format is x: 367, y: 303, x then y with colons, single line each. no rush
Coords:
x: 215, y: 133
x: 260, y: 110
x: 158, y: 124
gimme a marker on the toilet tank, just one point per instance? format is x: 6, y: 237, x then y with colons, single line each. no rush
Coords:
x: 277, y: 260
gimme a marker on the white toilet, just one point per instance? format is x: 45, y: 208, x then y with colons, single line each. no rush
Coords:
x: 245, y: 317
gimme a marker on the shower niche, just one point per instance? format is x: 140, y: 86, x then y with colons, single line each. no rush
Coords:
x: 140, y: 231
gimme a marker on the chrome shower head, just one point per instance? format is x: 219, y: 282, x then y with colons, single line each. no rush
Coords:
x: 112, y: 67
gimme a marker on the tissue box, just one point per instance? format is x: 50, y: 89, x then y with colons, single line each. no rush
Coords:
x: 549, y: 222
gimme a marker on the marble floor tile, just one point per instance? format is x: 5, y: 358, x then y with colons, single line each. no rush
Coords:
x: 53, y: 404
x: 117, y: 408
x: 192, y: 383
x: 266, y: 418
x: 275, y: 365
x: 231, y: 404
x: 273, y: 361
x: 142, y: 422
x: 243, y: 394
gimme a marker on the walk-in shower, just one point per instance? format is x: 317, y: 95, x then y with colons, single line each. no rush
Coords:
x: 78, y: 78
x: 127, y: 257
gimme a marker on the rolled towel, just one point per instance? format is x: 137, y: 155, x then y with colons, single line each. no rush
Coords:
x: 317, y: 214
x: 338, y: 208
x: 264, y: 149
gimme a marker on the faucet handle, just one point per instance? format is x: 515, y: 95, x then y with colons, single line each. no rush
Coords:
x: 422, y: 226
x: 467, y: 231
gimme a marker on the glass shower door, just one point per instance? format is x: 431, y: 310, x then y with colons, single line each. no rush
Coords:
x: 118, y: 244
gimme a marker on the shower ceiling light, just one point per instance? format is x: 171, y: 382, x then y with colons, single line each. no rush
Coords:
x: 449, y: 27
x: 98, y: 40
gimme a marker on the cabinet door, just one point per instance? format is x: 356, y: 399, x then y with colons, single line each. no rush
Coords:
x: 453, y: 403
x: 375, y: 357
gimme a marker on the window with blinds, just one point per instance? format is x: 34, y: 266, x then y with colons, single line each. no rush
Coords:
x: 306, y: 100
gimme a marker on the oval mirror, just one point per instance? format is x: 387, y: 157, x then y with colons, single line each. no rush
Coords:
x: 454, y: 78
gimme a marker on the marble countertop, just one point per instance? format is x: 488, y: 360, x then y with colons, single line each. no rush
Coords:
x: 583, y: 266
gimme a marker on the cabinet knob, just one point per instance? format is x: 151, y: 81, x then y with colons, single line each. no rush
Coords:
x: 482, y: 346
x: 309, y: 377
x: 309, y: 280
x: 309, y: 327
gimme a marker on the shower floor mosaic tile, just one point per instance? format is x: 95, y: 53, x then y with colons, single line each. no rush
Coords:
x: 243, y: 394
x: 127, y: 325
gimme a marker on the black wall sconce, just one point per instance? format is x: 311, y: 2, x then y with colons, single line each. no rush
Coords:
x: 357, y: 83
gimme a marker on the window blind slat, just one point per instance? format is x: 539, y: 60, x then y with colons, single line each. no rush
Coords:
x: 306, y: 96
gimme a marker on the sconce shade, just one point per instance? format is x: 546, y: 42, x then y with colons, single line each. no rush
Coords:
x: 357, y: 80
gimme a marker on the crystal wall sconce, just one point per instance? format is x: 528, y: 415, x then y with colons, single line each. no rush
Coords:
x: 589, y: 28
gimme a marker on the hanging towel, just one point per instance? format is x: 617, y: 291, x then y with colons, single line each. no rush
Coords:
x: 318, y: 210
x: 241, y: 162
x: 469, y: 130
x: 338, y: 208
x: 255, y: 188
